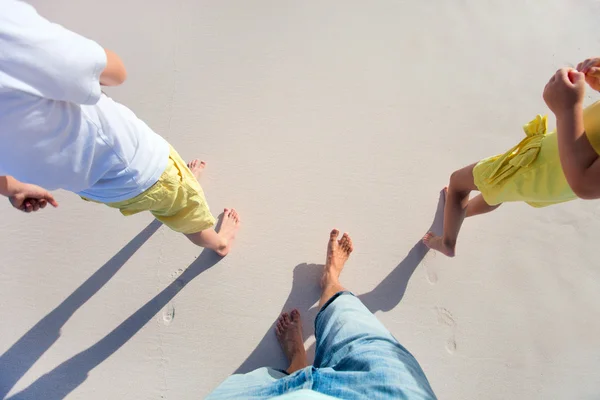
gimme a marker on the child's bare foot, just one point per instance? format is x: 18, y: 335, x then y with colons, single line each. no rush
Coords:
x: 338, y: 252
x: 436, y: 243
x: 289, y: 334
x: 197, y: 167
x: 229, y: 227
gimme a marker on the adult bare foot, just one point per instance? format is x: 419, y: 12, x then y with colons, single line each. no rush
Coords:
x: 436, y: 243
x: 197, y: 167
x: 289, y: 334
x: 338, y: 252
x: 229, y: 227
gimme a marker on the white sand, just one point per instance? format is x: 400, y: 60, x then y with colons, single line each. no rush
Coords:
x: 350, y: 114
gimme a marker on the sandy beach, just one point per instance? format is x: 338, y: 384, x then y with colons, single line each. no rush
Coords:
x: 313, y: 115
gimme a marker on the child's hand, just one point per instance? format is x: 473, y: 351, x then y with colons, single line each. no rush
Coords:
x: 565, y: 91
x: 590, y: 68
x: 30, y: 198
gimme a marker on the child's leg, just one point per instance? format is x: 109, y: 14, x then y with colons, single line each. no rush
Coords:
x: 457, y: 199
x: 220, y: 241
x: 478, y: 206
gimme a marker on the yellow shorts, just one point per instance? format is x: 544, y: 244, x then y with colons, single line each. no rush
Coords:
x: 530, y: 172
x: 177, y: 199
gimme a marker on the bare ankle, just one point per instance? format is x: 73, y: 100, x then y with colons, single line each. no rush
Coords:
x: 450, y: 244
x: 329, y: 278
x: 298, y: 362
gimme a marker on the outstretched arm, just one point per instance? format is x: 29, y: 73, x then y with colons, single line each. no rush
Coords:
x: 49, y: 61
x: 564, y: 95
x: 24, y: 196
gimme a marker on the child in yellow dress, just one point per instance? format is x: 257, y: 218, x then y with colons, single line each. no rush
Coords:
x: 543, y: 169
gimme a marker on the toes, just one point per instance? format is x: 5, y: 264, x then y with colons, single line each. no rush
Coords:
x: 344, y: 240
x: 334, y: 234
x: 285, y: 319
x: 427, y: 237
x: 347, y: 248
x: 232, y: 214
x: 280, y: 324
x: 350, y: 245
x: 196, y: 164
x: 295, y: 314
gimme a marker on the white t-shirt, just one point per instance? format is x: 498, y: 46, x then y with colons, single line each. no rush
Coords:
x: 57, y: 129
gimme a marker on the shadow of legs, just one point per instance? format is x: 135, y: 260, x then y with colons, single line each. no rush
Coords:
x: 305, y: 293
x: 21, y: 356
x: 63, y: 379
x: 390, y: 291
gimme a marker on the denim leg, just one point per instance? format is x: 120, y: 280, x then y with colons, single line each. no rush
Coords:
x: 258, y: 384
x: 357, y: 357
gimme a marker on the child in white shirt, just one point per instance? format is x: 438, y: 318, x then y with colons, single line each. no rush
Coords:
x: 59, y: 131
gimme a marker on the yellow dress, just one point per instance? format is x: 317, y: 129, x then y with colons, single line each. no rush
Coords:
x: 531, y: 171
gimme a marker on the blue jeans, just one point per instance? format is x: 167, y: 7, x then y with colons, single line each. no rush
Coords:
x: 356, y: 358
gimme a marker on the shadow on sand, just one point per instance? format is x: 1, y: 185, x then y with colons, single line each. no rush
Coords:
x: 305, y: 294
x: 21, y: 356
x: 63, y: 379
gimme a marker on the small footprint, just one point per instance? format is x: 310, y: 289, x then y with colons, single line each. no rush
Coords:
x: 432, y: 276
x: 451, y: 345
x: 176, y: 273
x: 445, y: 318
x: 168, y: 314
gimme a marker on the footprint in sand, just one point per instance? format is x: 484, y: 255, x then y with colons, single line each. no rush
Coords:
x: 445, y: 318
x: 176, y: 273
x: 430, y: 271
x: 168, y: 314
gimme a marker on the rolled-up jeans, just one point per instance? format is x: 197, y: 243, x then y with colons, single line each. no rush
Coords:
x: 356, y: 358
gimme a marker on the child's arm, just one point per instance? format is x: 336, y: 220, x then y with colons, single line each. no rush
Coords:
x: 48, y: 61
x: 23, y: 196
x: 114, y: 74
x: 564, y: 95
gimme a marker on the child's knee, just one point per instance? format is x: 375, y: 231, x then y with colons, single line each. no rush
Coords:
x: 460, y: 181
x: 455, y: 178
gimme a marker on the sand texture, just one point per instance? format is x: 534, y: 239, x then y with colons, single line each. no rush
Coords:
x: 313, y: 115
